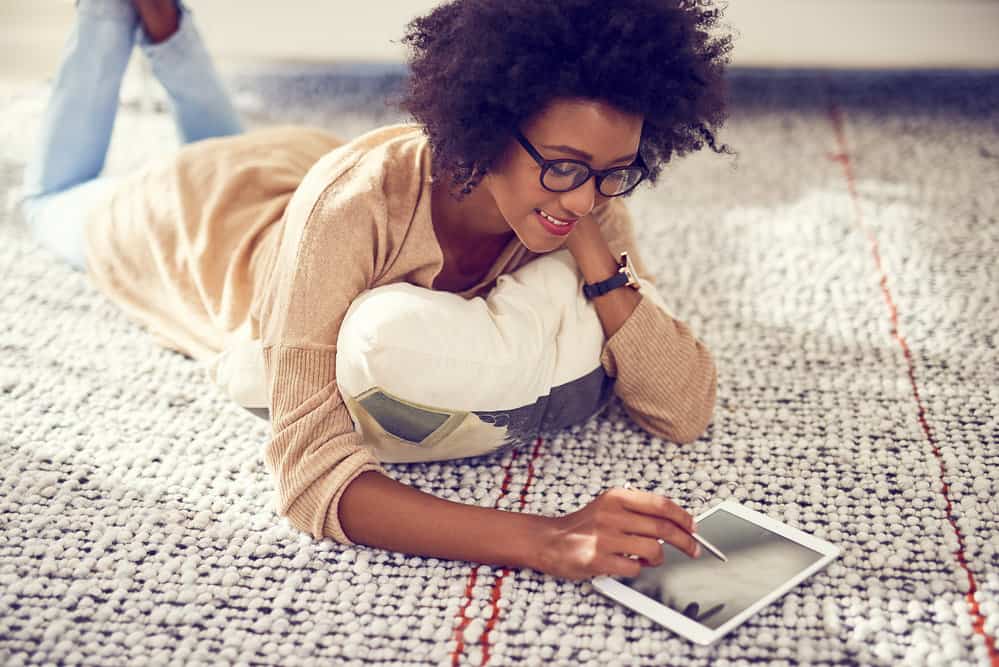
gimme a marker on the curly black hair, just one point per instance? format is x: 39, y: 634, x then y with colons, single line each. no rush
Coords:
x: 479, y: 68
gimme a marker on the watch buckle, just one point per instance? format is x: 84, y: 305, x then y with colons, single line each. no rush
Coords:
x: 628, y: 270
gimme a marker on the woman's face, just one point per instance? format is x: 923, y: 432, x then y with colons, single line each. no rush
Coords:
x: 587, y: 130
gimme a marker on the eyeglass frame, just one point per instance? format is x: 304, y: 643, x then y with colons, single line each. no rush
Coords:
x: 599, y: 174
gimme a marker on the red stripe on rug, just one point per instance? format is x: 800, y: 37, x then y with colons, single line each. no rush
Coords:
x: 497, y: 585
x: 843, y: 157
x: 459, y: 633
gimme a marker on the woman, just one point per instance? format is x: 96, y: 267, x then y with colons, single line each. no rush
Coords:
x: 533, y: 119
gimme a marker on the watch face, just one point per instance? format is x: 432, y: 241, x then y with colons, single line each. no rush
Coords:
x: 629, y: 270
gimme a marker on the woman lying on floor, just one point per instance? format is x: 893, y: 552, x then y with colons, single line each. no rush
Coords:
x: 338, y: 281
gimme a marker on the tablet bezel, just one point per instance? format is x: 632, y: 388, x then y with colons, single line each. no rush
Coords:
x: 702, y: 634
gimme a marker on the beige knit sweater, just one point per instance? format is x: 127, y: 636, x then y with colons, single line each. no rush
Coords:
x: 276, y: 231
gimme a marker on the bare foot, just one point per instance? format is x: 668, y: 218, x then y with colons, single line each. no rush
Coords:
x: 160, y: 18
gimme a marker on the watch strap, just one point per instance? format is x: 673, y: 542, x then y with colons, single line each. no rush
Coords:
x: 625, y: 276
x: 591, y: 291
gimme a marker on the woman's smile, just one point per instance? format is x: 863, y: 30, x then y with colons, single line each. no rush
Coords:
x: 554, y: 225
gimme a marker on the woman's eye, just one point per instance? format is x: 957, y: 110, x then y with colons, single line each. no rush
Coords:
x: 564, y: 169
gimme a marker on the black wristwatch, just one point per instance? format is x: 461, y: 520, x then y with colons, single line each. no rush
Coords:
x: 625, y: 277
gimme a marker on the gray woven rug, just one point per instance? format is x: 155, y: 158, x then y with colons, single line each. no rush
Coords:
x: 843, y: 272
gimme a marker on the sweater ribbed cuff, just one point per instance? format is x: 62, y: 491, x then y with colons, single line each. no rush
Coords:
x: 315, y: 451
x: 665, y: 377
x: 639, y: 335
x: 318, y: 505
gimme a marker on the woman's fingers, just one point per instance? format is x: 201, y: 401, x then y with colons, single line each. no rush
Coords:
x: 645, y: 549
x: 659, y: 517
x: 660, y: 506
x: 646, y: 526
x: 622, y: 566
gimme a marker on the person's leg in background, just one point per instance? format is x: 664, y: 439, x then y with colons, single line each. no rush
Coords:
x: 201, y: 106
x: 62, y: 181
x: 76, y: 127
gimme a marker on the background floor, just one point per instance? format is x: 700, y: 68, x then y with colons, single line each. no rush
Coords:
x: 842, y: 270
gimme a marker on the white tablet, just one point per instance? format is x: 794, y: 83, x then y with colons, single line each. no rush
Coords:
x: 703, y: 599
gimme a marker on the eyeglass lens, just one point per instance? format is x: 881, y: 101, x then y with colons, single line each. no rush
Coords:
x: 565, y: 176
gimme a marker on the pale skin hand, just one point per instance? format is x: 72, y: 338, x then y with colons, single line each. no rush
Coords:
x: 595, y: 539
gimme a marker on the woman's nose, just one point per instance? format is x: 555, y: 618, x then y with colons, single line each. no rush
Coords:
x: 579, y: 202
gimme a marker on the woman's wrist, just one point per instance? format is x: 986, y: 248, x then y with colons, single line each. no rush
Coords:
x: 596, y: 263
x: 590, y: 250
x: 537, y: 542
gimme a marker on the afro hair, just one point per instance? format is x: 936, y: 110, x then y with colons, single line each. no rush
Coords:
x: 480, y: 68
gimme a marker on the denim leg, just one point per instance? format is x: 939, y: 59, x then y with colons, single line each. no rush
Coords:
x: 57, y: 220
x: 61, y: 179
x: 76, y: 127
x: 201, y: 106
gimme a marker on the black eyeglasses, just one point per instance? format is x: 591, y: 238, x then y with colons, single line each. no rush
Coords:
x: 564, y: 175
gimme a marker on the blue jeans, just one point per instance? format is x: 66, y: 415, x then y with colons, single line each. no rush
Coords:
x: 63, y: 180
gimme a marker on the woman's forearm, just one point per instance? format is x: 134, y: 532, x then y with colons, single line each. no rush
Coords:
x: 665, y: 376
x: 596, y: 262
x: 378, y: 511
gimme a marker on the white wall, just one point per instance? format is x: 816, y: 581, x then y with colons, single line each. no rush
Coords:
x: 867, y: 33
x: 309, y: 29
x: 806, y: 33
x: 795, y: 33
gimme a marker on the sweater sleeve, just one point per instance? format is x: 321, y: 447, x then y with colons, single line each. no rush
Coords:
x: 666, y: 377
x: 329, y: 253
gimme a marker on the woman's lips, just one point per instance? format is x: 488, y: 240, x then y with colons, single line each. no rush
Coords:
x: 552, y: 228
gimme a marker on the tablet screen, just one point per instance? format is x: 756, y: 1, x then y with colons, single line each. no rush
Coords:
x: 711, y: 592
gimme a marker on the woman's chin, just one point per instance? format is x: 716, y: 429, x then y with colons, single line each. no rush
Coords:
x: 548, y: 245
x: 539, y: 242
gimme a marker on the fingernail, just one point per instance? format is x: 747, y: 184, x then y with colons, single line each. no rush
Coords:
x: 697, y: 551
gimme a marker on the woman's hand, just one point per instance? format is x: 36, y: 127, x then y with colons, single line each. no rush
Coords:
x: 597, y: 539
x: 596, y: 263
x: 586, y: 240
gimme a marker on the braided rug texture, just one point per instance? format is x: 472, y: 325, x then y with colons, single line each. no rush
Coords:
x: 843, y: 271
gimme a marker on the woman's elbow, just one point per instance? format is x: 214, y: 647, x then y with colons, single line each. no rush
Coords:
x: 701, y: 410
x: 692, y: 429
x: 706, y: 409
x: 685, y: 421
